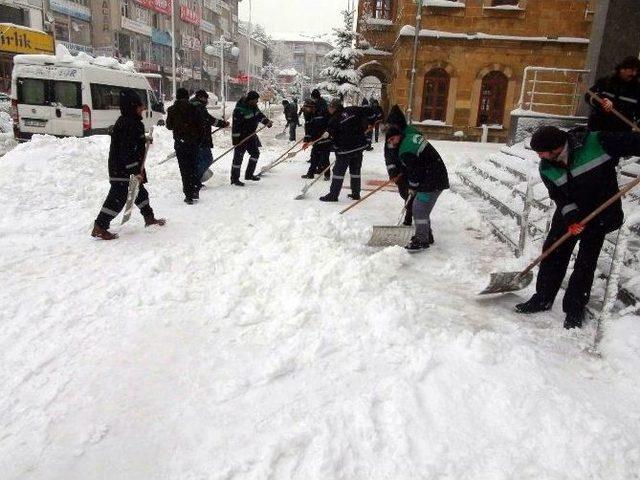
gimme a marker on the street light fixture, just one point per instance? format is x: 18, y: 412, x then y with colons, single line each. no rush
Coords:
x: 234, y: 51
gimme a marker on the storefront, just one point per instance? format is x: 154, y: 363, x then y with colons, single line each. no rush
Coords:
x: 15, y: 39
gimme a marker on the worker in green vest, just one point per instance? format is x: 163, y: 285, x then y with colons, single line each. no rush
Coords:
x: 578, y: 168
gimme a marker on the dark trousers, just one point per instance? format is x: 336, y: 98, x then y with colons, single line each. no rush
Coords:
x: 319, y: 161
x: 376, y: 131
x: 187, y: 158
x: 292, y: 131
x: 116, y: 200
x: 554, y: 267
x: 403, y: 189
x: 251, y: 146
x: 352, y: 161
x: 204, y: 161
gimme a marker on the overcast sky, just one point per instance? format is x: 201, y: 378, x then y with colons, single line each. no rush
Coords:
x: 293, y: 16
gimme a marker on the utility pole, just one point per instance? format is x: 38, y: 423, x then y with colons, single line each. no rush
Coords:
x: 173, y: 49
x: 416, y: 39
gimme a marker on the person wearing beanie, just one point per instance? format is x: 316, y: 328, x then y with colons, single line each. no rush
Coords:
x: 321, y: 104
x: 620, y: 91
x: 183, y: 121
x: 207, y: 122
x: 347, y: 128
x: 246, y: 117
x: 396, y: 122
x: 426, y: 177
x: 291, y: 117
x: 578, y: 168
x: 315, y: 128
x: 377, y: 116
x: 126, y: 157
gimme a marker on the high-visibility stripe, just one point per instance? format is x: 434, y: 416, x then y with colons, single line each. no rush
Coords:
x: 596, y: 162
x: 422, y: 146
x: 569, y: 208
x: 347, y: 119
x: 352, y: 151
x: 252, y: 159
x: 108, y: 211
x: 338, y: 177
x: 143, y: 204
x: 354, y: 176
x: 131, y: 165
x: 609, y: 94
x: 627, y: 99
x: 237, y: 167
x: 116, y: 179
x: 391, y: 167
x: 422, y: 222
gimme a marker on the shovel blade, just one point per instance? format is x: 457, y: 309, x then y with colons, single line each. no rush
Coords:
x: 386, y: 236
x: 207, y: 176
x: 280, y: 136
x: 504, y: 282
x: 301, y: 196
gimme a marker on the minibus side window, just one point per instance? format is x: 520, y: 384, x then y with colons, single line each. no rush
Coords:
x: 32, y: 91
x: 69, y: 94
x: 105, y: 97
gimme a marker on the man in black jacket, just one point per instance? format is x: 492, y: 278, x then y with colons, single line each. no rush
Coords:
x: 620, y: 91
x: 206, y: 122
x: 315, y: 131
x: 321, y: 104
x: 126, y: 156
x: 246, y: 117
x: 395, y: 168
x: 377, y: 115
x: 427, y: 178
x: 291, y: 116
x: 347, y: 128
x: 182, y: 119
x: 579, y: 170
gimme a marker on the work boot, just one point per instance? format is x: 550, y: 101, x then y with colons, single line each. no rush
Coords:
x: 416, y: 245
x: 431, y: 240
x: 309, y: 176
x: 237, y: 183
x: 189, y: 201
x: 327, y: 177
x: 534, y: 305
x: 328, y: 198
x: 253, y: 178
x: 354, y: 196
x: 99, y: 232
x: 196, y: 194
x: 573, y: 320
x: 151, y: 220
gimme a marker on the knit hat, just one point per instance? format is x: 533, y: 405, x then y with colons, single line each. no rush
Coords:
x: 336, y: 103
x: 309, y: 102
x: 285, y: 102
x: 548, y: 138
x: 182, y: 94
x: 629, y: 62
x: 315, y: 93
x: 253, y: 95
x: 201, y: 94
x: 397, y: 118
x: 393, y: 131
x: 129, y: 101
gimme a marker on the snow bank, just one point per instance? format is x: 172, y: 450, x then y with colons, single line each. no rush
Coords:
x: 408, y: 30
x: 257, y: 337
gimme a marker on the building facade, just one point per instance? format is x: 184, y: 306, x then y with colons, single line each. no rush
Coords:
x: 471, y: 55
x: 251, y: 57
x: 306, y: 54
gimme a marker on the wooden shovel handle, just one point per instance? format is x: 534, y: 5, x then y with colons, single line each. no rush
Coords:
x: 357, y: 202
x: 245, y: 140
x: 586, y: 220
x: 599, y: 99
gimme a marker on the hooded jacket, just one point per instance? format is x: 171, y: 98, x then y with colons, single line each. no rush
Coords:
x: 425, y: 170
x: 590, y: 177
x: 127, y: 148
x: 182, y: 119
x: 391, y: 154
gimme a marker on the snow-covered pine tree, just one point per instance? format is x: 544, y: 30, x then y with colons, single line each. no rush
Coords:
x: 342, y: 76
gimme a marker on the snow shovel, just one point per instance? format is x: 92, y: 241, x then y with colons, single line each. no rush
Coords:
x: 377, y: 189
x: 504, y: 282
x: 283, y: 134
x: 134, y: 182
x: 388, y: 236
x: 239, y: 144
x: 306, y: 188
x: 599, y: 99
x: 278, y: 160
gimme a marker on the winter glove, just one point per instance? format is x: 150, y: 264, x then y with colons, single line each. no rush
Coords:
x: 325, y: 135
x: 269, y: 124
x: 576, y: 228
x: 225, y: 124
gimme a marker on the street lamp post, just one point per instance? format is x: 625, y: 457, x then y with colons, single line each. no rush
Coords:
x: 416, y: 39
x: 173, y: 49
x: 211, y: 50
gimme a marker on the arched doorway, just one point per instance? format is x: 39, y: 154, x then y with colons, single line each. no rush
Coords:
x: 493, y: 95
x: 371, y: 87
x: 435, y: 95
x: 375, y: 80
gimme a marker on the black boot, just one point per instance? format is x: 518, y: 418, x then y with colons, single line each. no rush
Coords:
x: 354, y: 196
x: 328, y: 198
x: 309, y: 176
x: 534, y: 305
x: 237, y: 183
x: 189, y: 201
x: 431, y: 240
x: 573, y: 320
x: 416, y: 245
x: 251, y: 169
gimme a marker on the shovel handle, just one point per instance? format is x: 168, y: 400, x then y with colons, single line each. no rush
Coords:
x: 586, y: 220
x: 277, y: 160
x: 245, y: 140
x: 599, y: 99
x: 377, y: 189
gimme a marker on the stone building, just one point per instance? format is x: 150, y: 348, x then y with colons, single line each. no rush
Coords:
x: 471, y: 55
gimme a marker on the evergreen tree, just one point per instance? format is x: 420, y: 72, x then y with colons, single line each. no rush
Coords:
x: 342, y: 76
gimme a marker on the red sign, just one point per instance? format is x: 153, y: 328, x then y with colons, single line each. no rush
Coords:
x: 161, y: 6
x: 189, y: 16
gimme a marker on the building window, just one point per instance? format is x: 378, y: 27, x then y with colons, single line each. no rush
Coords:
x: 382, y: 9
x: 493, y: 93
x: 436, y: 94
x: 124, y: 8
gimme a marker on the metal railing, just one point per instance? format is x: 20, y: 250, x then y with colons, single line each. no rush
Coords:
x: 551, y: 90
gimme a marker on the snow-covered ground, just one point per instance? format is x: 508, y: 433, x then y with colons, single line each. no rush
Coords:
x: 256, y: 337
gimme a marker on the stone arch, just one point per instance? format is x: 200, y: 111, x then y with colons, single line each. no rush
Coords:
x: 382, y: 73
x: 419, y: 97
x: 510, y: 95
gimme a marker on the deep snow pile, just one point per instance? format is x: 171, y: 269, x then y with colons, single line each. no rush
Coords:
x: 256, y: 337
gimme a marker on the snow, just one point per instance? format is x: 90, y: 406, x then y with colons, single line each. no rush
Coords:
x: 65, y: 58
x: 432, y: 123
x: 443, y: 3
x: 409, y: 31
x: 376, y: 52
x: 503, y: 7
x: 378, y: 21
x: 256, y: 337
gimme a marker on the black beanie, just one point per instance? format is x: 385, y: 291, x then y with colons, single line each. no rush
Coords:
x: 548, y: 138
x: 253, y: 95
x: 182, y: 94
x: 629, y: 62
x: 392, y: 131
x: 201, y: 94
x: 315, y: 93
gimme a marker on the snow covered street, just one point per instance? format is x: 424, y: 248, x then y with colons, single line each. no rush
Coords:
x: 257, y: 337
